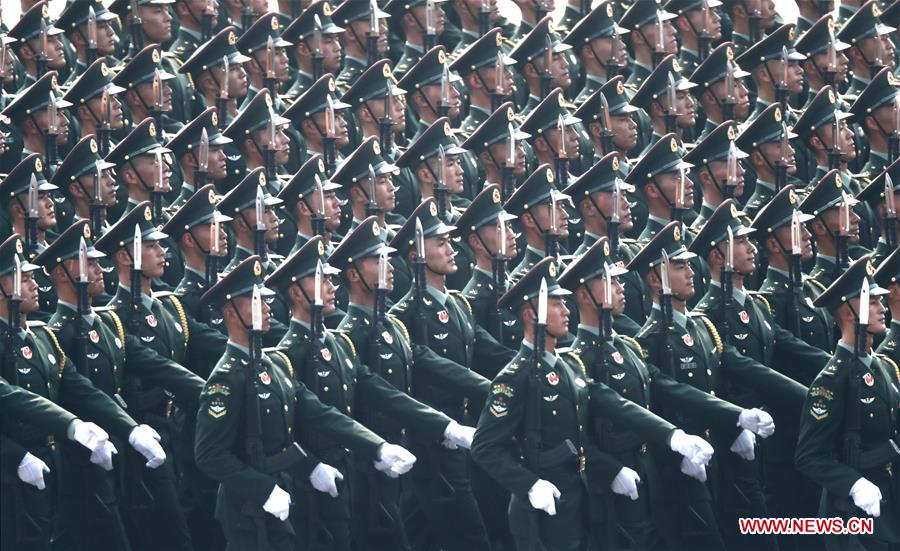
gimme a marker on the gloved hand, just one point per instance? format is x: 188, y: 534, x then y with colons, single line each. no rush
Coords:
x: 31, y: 471
x: 625, y: 483
x: 103, y: 455
x: 394, y: 460
x: 694, y: 471
x: 867, y: 497
x: 543, y: 496
x: 693, y: 448
x: 757, y: 421
x: 279, y: 504
x: 324, y: 478
x: 88, y: 435
x: 458, y: 436
x: 145, y: 440
x: 744, y: 445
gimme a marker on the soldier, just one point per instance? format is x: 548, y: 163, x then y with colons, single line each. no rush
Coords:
x: 101, y: 351
x: 482, y: 79
x: 533, y: 203
x: 191, y: 15
x: 86, y: 94
x: 430, y: 95
x: 267, y: 67
x: 73, y: 20
x: 774, y: 79
x: 850, y: 416
x: 470, y: 13
x: 207, y: 69
x: 871, y: 49
x: 875, y: 110
x: 699, y: 26
x: 156, y: 19
x: 185, y: 147
x: 689, y: 349
x: 35, y: 361
x: 14, y: 197
x: 655, y: 97
x: 151, y: 90
x: 887, y: 276
x: 442, y: 320
x: 259, y: 139
x: 595, y: 39
x: 87, y: 180
x: 601, y: 199
x: 786, y: 242
x: 412, y: 20
x: 245, y: 428
x: 749, y: 21
x: 341, y: 380
x: 718, y: 169
x: 826, y: 56
x: 532, y: 55
x: 549, y: 142
x: 356, y: 17
x: 140, y: 160
x: 618, y: 361
x: 874, y: 196
x: 302, y: 34
x: 643, y: 21
x: 310, y: 116
x: 30, y: 43
x: 303, y: 203
x: 554, y: 447
x: 712, y: 93
x: 622, y: 124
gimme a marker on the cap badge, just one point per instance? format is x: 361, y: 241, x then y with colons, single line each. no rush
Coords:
x: 321, y: 165
x: 561, y: 99
x: 386, y: 70
x: 376, y: 148
x: 734, y: 211
x: 606, y: 248
x: 729, y: 53
x: 38, y: 165
x: 19, y: 248
x: 510, y: 114
x: 326, y: 9
x: 104, y: 70
x: 615, y: 164
x: 321, y: 248
x: 86, y: 231
x: 262, y: 179
x: 331, y: 85
x: 499, y: 40
x: 376, y: 229
x: 676, y: 233
x: 148, y: 214
x: 442, y: 57
x: 447, y: 130
x: 777, y: 114
x: 93, y: 145
x: 831, y: 97
x: 792, y: 197
x: 432, y: 207
x: 675, y: 65
x: 549, y: 175
x: 495, y: 196
x: 551, y: 269
x: 214, y: 118
x: 731, y: 135
x: 232, y: 38
x: 673, y: 145
x: 609, y: 9
x: 155, y: 56
x: 151, y: 129
x: 620, y: 88
x: 275, y: 25
x: 257, y: 268
x: 870, y: 269
x: 212, y: 197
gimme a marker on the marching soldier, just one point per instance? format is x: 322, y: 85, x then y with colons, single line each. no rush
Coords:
x: 217, y: 82
x: 151, y: 90
x: 718, y: 169
x: 596, y: 40
x: 848, y: 427
x: 356, y: 17
x: 266, y: 63
x: 872, y: 48
x: 36, y: 36
x: 477, y: 65
x: 311, y: 118
x: 887, y: 276
x: 87, y: 93
x: 302, y: 34
x: 185, y: 148
x: 712, y: 92
x: 644, y: 20
x: 249, y: 411
x: 304, y: 205
x: 73, y: 20
x: 876, y: 195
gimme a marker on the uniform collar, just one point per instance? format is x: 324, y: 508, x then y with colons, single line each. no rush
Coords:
x: 738, y: 294
x: 866, y: 360
x: 549, y: 359
x: 679, y: 318
x: 439, y: 296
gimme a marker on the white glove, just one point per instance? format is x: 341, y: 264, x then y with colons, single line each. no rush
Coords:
x: 31, y: 471
x: 693, y: 448
x: 757, y: 421
x: 744, y: 445
x: 458, y: 436
x: 694, y: 471
x: 145, y: 440
x: 543, y: 496
x: 279, y: 504
x: 88, y: 435
x: 625, y: 483
x: 394, y: 460
x: 324, y: 478
x: 103, y: 455
x: 867, y: 497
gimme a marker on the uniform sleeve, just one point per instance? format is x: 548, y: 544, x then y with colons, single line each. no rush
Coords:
x: 205, y: 343
x: 501, y: 421
x: 821, y: 427
x: 79, y: 395
x: 146, y: 363
x: 218, y: 426
x: 606, y: 402
x: 793, y: 355
x: 26, y: 406
x: 782, y: 390
x: 490, y: 356
x: 443, y: 372
x: 724, y: 415
x: 11, y: 454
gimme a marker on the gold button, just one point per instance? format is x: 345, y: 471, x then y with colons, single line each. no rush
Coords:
x: 712, y: 392
x: 709, y: 371
x: 344, y: 386
x: 290, y: 430
x: 285, y: 408
x: 690, y: 374
x: 268, y: 411
x: 348, y: 409
x: 325, y: 389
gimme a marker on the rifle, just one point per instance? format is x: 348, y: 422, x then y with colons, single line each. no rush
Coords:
x: 270, y: 80
x: 754, y: 20
x: 246, y: 16
x: 672, y: 110
x: 206, y: 22
x: 136, y: 28
x: 499, y: 83
x: 834, y: 153
x: 318, y: 218
x: 420, y: 332
x: 612, y: 225
x: 890, y: 214
x: 156, y: 196
x: 259, y: 236
x: 202, y: 171
x: 665, y: 305
x: 318, y: 58
x: 894, y: 138
x: 678, y: 207
x: 329, y: 139
x: 727, y: 104
x: 829, y: 75
x: 158, y: 99
x: 31, y: 218
x: 659, y: 51
x: 606, y: 135
x: 222, y: 97
x: 52, y: 133
x: 796, y: 274
x: 535, y: 401
x: 842, y: 256
x: 601, y: 373
x: 703, y: 37
x: 41, y: 58
x: 371, y: 205
x: 83, y: 308
x: 547, y: 74
x: 440, y: 188
x: 781, y: 89
x: 726, y: 275
x: 14, y: 323
x: 386, y: 123
x: 271, y: 147
x: 498, y: 277
x: 215, y: 252
x: 96, y: 206
x: 444, y: 107
x: 430, y: 29
x: 374, y: 34
x: 253, y: 444
x: 91, y: 36
x: 562, y: 157
x: 731, y: 173
x: 484, y: 18
x: 509, y: 182
x: 551, y: 245
x: 781, y: 165
x: 104, y: 128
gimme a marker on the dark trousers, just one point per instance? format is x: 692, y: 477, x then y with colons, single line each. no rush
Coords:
x: 26, y: 513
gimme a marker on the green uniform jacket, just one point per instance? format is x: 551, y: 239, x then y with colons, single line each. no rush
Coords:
x: 822, y: 422
x: 889, y: 346
x: 480, y: 294
x: 816, y: 324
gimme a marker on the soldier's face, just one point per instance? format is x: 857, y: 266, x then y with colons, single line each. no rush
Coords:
x: 604, y: 200
x: 151, y: 175
x: 419, y: 14
x: 157, y: 22
x: 625, y: 134
x: 571, y: 141
x: 55, y: 53
x: 106, y: 37
x: 888, y: 118
x: 541, y: 215
x: 217, y: 168
x: 332, y: 211
x: 46, y: 210
x: 671, y: 185
x: 783, y: 235
x: 28, y: 290
x: 772, y: 152
x: 203, y: 236
x: 433, y: 94
x: 361, y: 30
x: 116, y: 116
x: 439, y: 255
x: 792, y: 75
x: 282, y: 144
x: 876, y: 314
x: 498, y: 151
x: 559, y: 69
x: 341, y: 130
x: 237, y: 79
x: 744, y: 254
x: 8, y: 67
x: 242, y: 309
x: 684, y: 108
x: 489, y: 76
x: 845, y: 139
x: 453, y: 173
x: 616, y: 296
x: 823, y: 63
x: 326, y: 288
x: 152, y: 102
x: 699, y: 22
x: 107, y: 184
x: 870, y: 48
x: 832, y: 218
x: 385, y: 192
x: 651, y: 32
x: 368, y: 272
x: 557, y: 317
x: 94, y: 274
x: 153, y: 259
x: 490, y: 234
x: 608, y: 48
x: 474, y: 7
x: 681, y: 279
x: 719, y: 170
x: 280, y: 59
x: 331, y: 49
x: 738, y: 93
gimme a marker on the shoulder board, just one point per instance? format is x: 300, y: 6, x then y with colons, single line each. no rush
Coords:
x: 714, y: 333
x: 59, y: 350
x: 402, y: 327
x: 634, y: 344
x: 277, y: 353
x: 349, y: 342
x: 182, y: 317
x: 162, y: 294
x: 646, y: 329
x: 462, y: 297
x: 577, y: 360
x: 103, y: 308
x: 817, y: 283
x: 760, y: 297
x: 886, y: 359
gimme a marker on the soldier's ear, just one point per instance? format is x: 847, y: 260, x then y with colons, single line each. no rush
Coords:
x: 595, y: 129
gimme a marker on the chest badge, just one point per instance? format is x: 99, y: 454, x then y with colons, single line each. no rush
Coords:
x: 265, y: 378
x: 326, y: 354
x: 553, y: 378
x: 443, y: 316
x: 687, y: 339
x: 869, y: 379
x: 26, y: 352
x: 744, y: 316
x: 617, y: 357
x: 92, y: 334
x: 151, y: 320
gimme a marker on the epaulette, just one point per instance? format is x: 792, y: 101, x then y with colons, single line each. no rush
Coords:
x: 402, y: 327
x: 275, y: 351
x: 55, y: 341
x: 817, y: 283
x: 182, y: 317
x: 348, y: 341
x: 714, y: 333
x: 764, y: 300
x: 570, y: 353
x: 646, y: 329
x: 635, y: 344
x: 34, y: 323
x: 459, y: 295
x: 892, y: 363
x: 117, y: 322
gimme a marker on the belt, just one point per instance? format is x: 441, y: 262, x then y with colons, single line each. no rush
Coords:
x: 282, y: 461
x: 880, y: 456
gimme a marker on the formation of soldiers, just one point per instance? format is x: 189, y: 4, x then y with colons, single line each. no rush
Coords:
x: 404, y: 275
